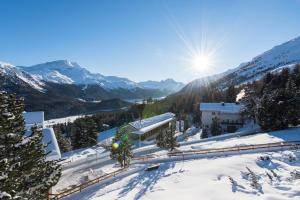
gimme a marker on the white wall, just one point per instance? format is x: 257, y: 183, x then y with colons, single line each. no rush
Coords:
x: 207, y: 117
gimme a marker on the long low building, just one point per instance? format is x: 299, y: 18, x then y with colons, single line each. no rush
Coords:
x: 150, y: 127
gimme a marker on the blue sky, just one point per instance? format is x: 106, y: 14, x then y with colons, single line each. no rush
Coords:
x: 145, y: 39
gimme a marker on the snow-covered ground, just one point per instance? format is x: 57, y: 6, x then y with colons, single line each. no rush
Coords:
x: 89, y: 167
x: 209, y: 179
x: 291, y: 134
x: 63, y: 120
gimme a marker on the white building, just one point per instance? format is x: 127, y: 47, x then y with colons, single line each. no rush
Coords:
x: 228, y: 114
x: 37, y: 118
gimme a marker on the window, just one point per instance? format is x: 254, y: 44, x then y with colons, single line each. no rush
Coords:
x: 213, y: 113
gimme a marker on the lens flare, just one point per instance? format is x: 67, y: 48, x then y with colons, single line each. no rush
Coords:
x: 201, y: 62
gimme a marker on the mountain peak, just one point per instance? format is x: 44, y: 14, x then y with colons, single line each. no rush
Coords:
x: 58, y: 63
x: 5, y: 64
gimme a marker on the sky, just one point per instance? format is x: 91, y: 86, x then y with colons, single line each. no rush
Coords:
x: 145, y: 39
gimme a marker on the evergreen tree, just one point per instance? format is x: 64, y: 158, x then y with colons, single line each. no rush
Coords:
x: 272, y: 112
x: 85, y: 133
x: 215, y: 127
x: 230, y: 94
x: 166, y: 139
x: 24, y: 171
x: 63, y: 142
x: 39, y: 175
x: 123, y: 151
x: 204, y: 133
x: 292, y: 95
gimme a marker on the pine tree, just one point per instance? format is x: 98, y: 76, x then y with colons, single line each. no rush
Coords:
x: 204, y: 133
x: 10, y: 181
x: 249, y: 101
x: 215, y: 127
x: 166, y: 139
x: 24, y: 171
x: 230, y: 94
x: 123, y: 153
x: 293, y: 101
x: 39, y: 175
x: 63, y: 142
x: 272, y: 111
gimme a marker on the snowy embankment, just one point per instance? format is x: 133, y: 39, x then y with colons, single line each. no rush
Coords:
x: 277, y: 175
x: 291, y: 134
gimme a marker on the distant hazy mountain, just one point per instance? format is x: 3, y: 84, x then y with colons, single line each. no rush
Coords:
x: 167, y: 85
x: 281, y: 56
x: 67, y: 72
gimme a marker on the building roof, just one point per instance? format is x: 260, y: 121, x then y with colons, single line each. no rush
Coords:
x: 104, y: 135
x: 145, y: 125
x: 50, y: 139
x: 221, y: 107
x: 32, y: 118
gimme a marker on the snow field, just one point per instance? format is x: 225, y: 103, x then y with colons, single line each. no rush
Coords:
x: 208, y: 179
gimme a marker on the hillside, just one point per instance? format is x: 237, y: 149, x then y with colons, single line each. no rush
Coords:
x: 285, y: 54
x: 277, y: 173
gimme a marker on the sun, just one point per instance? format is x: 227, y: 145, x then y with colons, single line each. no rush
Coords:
x: 201, y: 62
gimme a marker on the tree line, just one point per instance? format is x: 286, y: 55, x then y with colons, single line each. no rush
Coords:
x: 83, y: 132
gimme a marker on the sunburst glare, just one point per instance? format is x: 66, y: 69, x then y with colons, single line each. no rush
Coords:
x: 201, y: 61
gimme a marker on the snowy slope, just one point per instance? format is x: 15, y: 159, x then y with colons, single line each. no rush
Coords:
x: 286, y: 54
x: 208, y: 178
x: 18, y: 76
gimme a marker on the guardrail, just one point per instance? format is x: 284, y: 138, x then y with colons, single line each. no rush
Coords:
x: 82, y: 186
x: 294, y: 145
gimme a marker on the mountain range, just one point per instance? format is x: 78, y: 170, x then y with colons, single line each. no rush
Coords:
x: 67, y: 72
x: 62, y: 88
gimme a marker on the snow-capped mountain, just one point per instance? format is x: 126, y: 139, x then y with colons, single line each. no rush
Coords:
x: 67, y: 72
x: 168, y: 85
x: 286, y: 54
x: 9, y: 71
x: 64, y: 71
